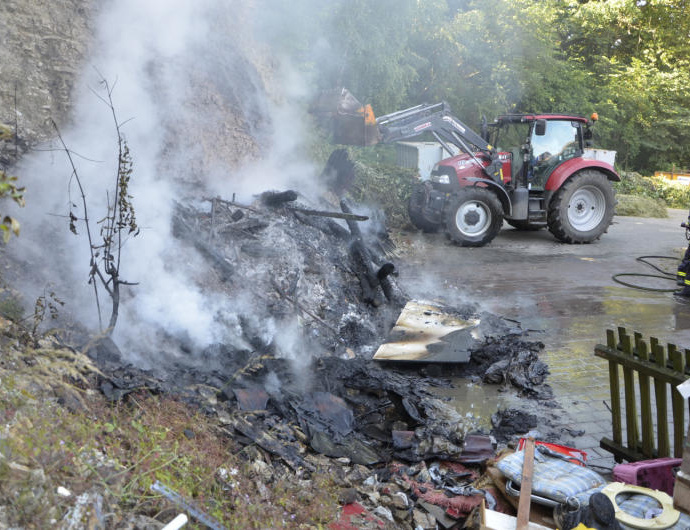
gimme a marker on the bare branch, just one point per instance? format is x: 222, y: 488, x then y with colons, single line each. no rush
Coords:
x: 106, y: 255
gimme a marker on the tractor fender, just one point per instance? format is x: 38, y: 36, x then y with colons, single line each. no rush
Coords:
x: 497, y: 188
x: 568, y: 168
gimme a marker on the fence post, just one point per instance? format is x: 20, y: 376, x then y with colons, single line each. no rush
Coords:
x: 663, y: 442
x: 677, y: 401
x: 629, y: 390
x: 614, y: 383
x: 645, y: 401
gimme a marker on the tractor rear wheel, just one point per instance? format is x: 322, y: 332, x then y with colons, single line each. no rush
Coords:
x: 582, y: 210
x: 474, y: 217
x: 415, y: 208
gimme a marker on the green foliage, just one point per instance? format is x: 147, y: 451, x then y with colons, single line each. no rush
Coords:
x: 9, y: 189
x: 629, y: 60
x: 385, y: 186
x: 374, y: 59
x: 672, y: 195
x: 11, y: 306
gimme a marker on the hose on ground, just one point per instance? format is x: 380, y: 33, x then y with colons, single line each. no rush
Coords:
x: 663, y: 276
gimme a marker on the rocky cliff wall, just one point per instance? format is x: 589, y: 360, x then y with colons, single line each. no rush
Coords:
x: 44, y: 47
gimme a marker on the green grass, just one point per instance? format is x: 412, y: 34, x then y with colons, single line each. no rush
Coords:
x: 640, y: 206
x: 58, y: 430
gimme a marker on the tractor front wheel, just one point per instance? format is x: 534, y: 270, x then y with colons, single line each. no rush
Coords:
x: 582, y: 210
x: 475, y: 217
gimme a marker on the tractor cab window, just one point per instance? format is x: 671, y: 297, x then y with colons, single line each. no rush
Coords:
x: 510, y: 136
x: 561, y: 142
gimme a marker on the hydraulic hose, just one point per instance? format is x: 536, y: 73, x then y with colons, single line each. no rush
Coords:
x: 663, y: 276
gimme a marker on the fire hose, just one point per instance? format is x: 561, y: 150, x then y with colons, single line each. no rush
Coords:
x: 680, y: 276
x: 664, y: 275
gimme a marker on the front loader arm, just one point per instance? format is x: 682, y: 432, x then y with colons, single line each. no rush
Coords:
x: 434, y: 118
x: 355, y: 124
x: 446, y: 128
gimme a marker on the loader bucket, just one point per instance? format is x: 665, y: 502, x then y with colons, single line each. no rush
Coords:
x: 352, y: 123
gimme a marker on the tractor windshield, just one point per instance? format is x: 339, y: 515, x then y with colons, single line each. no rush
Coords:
x: 509, y: 136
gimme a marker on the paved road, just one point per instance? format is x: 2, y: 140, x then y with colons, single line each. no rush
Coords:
x: 566, y: 291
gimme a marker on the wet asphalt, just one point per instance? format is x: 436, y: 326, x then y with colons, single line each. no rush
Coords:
x: 566, y: 294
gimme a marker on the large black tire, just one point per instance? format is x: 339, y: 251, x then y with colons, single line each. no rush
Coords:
x: 475, y: 217
x: 415, y: 209
x: 582, y: 210
x: 525, y: 225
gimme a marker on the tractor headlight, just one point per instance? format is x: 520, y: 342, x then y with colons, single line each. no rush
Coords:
x: 440, y: 179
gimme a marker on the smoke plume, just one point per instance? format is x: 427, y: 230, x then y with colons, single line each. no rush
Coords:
x: 195, y: 94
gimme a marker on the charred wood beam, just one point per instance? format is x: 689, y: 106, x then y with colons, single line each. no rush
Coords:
x: 270, y: 444
x: 182, y: 230
x: 278, y: 198
x: 371, y: 276
x: 365, y: 272
x: 327, y: 226
x: 337, y: 215
x: 218, y: 200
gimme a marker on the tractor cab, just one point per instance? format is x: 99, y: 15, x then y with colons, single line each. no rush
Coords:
x: 537, y: 145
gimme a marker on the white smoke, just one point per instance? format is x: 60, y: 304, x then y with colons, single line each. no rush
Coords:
x: 173, y: 66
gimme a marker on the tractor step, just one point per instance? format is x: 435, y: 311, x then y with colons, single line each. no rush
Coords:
x: 537, y: 212
x: 537, y: 215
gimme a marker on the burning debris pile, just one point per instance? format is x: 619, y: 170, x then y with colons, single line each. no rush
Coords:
x: 297, y: 377
x: 316, y: 296
x: 296, y: 271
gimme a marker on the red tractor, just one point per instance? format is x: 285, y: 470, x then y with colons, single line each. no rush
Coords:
x: 533, y: 170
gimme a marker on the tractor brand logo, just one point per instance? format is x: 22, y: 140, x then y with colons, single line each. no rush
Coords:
x: 454, y: 124
x: 422, y: 126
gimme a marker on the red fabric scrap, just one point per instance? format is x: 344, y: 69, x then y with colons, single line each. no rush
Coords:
x: 353, y: 510
x: 456, y: 507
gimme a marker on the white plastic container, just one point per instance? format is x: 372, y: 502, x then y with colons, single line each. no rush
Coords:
x: 604, y: 155
x: 420, y: 155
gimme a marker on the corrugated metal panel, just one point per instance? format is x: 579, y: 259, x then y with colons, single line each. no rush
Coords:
x: 424, y: 332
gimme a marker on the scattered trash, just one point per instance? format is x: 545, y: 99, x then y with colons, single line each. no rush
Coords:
x: 188, y: 506
x: 657, y: 474
x: 177, y: 523
x: 509, y: 422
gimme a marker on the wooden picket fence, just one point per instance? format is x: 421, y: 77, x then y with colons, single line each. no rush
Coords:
x: 653, y: 363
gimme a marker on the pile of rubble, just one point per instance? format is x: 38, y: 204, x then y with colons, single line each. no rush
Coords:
x: 323, y: 401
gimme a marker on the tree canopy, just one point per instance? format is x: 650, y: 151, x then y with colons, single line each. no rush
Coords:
x: 628, y: 60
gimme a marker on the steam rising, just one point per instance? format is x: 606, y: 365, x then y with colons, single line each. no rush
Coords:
x: 199, y: 121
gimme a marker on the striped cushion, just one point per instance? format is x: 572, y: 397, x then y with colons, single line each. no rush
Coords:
x: 554, y: 478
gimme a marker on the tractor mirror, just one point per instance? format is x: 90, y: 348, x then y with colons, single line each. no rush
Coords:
x: 540, y: 128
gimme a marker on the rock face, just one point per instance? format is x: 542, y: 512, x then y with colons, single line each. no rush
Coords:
x: 44, y: 47
x: 227, y: 78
